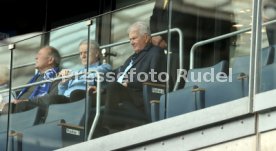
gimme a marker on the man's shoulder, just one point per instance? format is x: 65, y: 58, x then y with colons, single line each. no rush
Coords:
x: 155, y: 50
x: 104, y: 67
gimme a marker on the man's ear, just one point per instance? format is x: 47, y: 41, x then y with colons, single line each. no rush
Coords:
x: 51, y: 60
x: 147, y: 38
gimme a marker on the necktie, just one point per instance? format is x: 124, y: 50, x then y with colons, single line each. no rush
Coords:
x: 121, y: 78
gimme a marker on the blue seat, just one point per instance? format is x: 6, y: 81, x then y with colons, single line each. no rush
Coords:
x: 189, y: 98
x: 220, y: 92
x: 268, y: 73
x: 268, y: 78
x: 42, y: 137
x: 196, y: 76
x: 241, y: 63
x: 18, y: 121
x: 52, y: 133
x: 3, y: 140
x: 179, y: 102
x: 14, y: 141
x: 70, y: 112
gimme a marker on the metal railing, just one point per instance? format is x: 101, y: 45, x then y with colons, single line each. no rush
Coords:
x: 98, y: 95
x: 201, y: 43
x: 177, y: 30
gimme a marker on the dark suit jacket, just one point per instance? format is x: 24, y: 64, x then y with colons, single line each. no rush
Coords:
x: 151, y: 57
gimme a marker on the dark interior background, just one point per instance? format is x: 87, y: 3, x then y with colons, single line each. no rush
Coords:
x: 21, y: 17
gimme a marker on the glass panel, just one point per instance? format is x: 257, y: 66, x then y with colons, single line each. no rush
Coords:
x: 131, y: 103
x: 45, y: 106
x: 203, y: 62
x: 73, y: 48
x: 124, y: 105
x: 4, y: 93
x: 268, y: 45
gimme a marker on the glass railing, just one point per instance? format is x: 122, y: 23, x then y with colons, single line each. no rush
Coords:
x: 265, y: 58
x: 207, y: 56
x: 5, y: 95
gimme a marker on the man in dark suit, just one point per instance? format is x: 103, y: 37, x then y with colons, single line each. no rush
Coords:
x: 137, y: 69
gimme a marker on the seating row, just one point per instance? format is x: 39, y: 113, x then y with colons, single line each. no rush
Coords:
x: 25, y: 131
x: 29, y: 134
x: 201, y: 94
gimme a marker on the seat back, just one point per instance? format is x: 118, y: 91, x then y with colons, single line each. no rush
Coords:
x: 186, y: 100
x: 42, y: 137
x: 70, y: 112
x: 268, y: 74
x: 268, y: 78
x: 3, y: 140
x: 241, y: 63
x: 20, y: 120
x: 180, y: 102
x: 197, y: 76
x: 232, y: 88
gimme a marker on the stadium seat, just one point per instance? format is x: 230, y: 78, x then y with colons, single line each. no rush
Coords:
x: 42, y: 137
x: 18, y: 122
x: 241, y: 63
x: 179, y: 102
x: 196, y: 76
x: 70, y: 112
x: 220, y: 92
x: 189, y: 98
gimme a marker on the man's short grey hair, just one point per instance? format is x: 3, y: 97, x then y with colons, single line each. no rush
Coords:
x: 92, y: 44
x: 55, y: 54
x: 142, y: 27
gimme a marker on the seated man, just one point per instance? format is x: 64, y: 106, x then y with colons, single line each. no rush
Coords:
x: 76, y: 82
x: 138, y: 68
x: 67, y: 86
x: 47, y: 64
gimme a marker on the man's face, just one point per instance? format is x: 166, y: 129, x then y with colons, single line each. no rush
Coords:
x: 137, y: 41
x: 43, y: 60
x: 83, y: 55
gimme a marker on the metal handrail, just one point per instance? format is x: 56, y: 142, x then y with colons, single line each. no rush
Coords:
x: 93, y: 127
x: 156, y: 34
x: 127, y: 41
x: 98, y: 103
x: 200, y: 43
x: 98, y: 95
x: 45, y: 81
